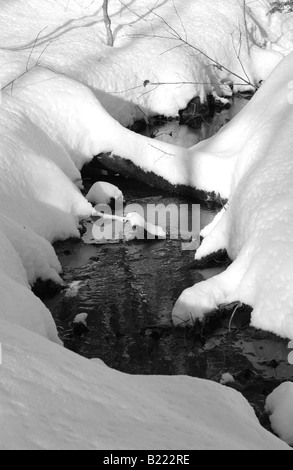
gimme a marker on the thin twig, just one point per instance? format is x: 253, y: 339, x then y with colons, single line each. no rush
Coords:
x: 175, y: 35
x: 233, y: 314
x: 163, y: 153
x: 27, y: 67
x: 238, y: 53
x: 180, y: 19
x: 107, y: 21
x: 33, y: 48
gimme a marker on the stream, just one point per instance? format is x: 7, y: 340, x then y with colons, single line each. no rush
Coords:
x: 128, y: 290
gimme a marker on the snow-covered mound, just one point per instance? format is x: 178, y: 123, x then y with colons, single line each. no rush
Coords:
x: 52, y: 398
x: 207, y: 44
x: 80, y: 128
x: 38, y: 205
x: 36, y: 253
x: 280, y: 406
x: 257, y: 225
x: 64, y: 41
x: 34, y: 190
x: 103, y: 192
x: 19, y: 306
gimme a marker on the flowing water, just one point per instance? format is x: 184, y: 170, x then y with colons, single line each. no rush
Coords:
x: 128, y: 290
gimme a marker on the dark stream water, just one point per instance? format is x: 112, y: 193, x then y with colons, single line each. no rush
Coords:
x: 128, y: 290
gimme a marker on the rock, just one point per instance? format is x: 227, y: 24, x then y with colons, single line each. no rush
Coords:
x: 195, y: 112
x: 79, y: 325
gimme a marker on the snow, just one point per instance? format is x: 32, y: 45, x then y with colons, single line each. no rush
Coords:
x: 19, y: 306
x: 102, y: 193
x: 73, y: 289
x: 279, y: 405
x: 75, y: 403
x: 256, y: 227
x: 10, y: 259
x: 58, y: 114
x: 70, y: 38
x: 290, y: 356
x: 137, y: 221
x: 80, y: 128
x: 36, y: 253
x: 226, y: 378
x: 33, y: 188
x: 38, y: 205
x: 81, y: 318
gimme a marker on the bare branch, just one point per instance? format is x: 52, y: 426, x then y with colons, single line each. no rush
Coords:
x: 176, y: 36
x: 146, y: 83
x: 33, y: 48
x: 180, y: 19
x: 238, y: 53
x: 162, y: 151
x: 107, y: 21
x: 28, y: 68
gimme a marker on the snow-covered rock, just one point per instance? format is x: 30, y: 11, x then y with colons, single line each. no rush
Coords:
x: 137, y: 221
x: 81, y: 318
x: 226, y: 378
x: 103, y: 192
x: 52, y: 398
x: 256, y: 227
x: 279, y: 405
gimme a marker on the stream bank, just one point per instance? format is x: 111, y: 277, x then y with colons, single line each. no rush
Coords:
x: 128, y: 291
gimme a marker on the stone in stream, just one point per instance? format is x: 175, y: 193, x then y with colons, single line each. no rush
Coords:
x: 79, y: 325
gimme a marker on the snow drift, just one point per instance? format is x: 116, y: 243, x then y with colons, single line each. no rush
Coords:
x: 279, y: 406
x: 227, y: 46
x: 70, y: 402
x: 256, y: 227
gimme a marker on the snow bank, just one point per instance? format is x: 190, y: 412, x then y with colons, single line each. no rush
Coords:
x: 78, y: 127
x: 10, y: 260
x: 38, y: 205
x: 256, y: 229
x: 74, y: 403
x: 34, y: 191
x: 280, y: 406
x: 19, y: 306
x: 70, y: 38
x: 84, y: 128
x: 36, y: 253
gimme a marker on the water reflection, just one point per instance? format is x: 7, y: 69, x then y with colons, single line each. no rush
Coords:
x: 174, y: 133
